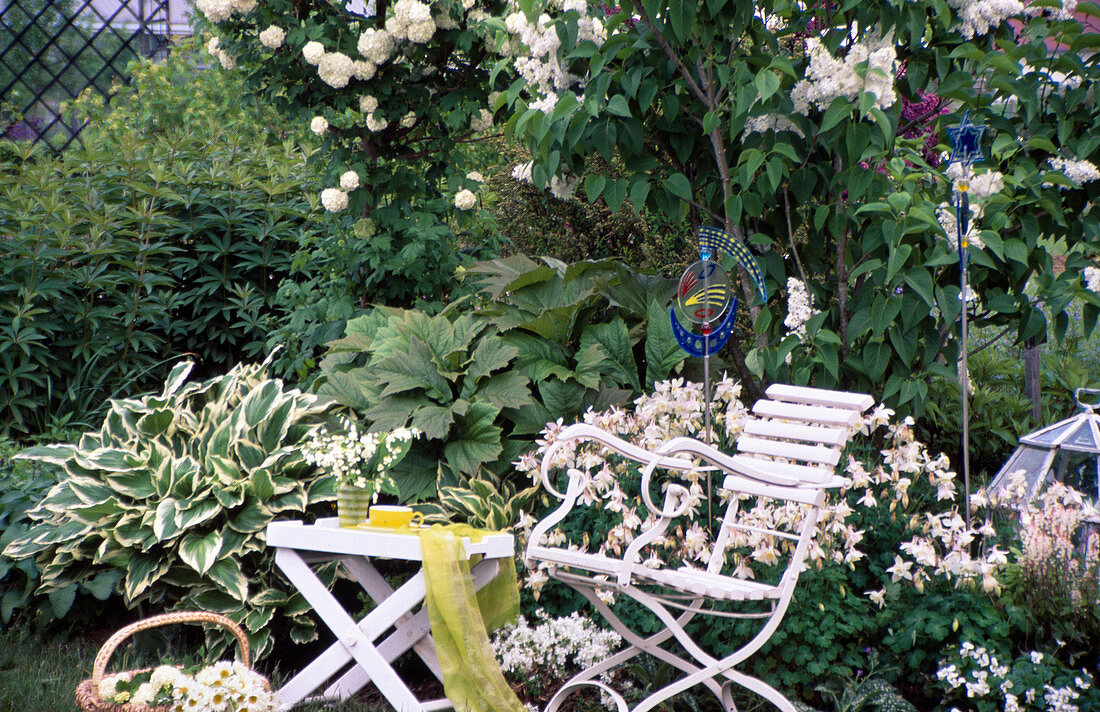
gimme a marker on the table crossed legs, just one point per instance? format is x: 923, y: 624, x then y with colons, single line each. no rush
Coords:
x: 360, y: 644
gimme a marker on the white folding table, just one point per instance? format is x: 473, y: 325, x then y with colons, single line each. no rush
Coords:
x: 361, y: 654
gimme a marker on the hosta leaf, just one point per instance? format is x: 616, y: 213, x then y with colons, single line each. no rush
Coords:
x: 110, y: 459
x: 475, y: 439
x: 229, y: 497
x: 505, y: 390
x: 61, y: 600
x: 53, y: 454
x: 96, y: 515
x: 262, y: 485
x: 224, y: 468
x: 176, y: 378
x: 134, y: 485
x: 260, y: 402
x: 156, y: 423
x: 200, y: 552
x: 250, y: 454
x: 142, y: 571
x: 102, y: 585
x: 274, y: 429
x: 268, y: 597
x: 164, y: 525
x: 227, y: 574
x: 294, y: 500
x: 258, y: 618
x: 252, y: 518
x: 302, y: 633
x: 197, y: 513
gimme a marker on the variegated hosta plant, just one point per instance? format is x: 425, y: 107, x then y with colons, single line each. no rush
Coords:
x: 172, y: 495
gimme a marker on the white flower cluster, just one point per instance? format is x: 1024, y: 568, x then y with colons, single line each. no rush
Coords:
x: 946, y: 214
x: 977, y: 17
x: 562, y: 187
x: 1091, y: 277
x: 874, y: 56
x: 1064, y: 11
x: 770, y: 122
x: 412, y: 21
x: 376, y: 45
x: 360, y: 460
x: 540, y: 66
x: 980, y: 185
x: 984, y: 678
x: 482, y: 122
x: 349, y: 181
x: 800, y: 307
x: 465, y: 199
x: 227, y: 60
x: 553, y: 649
x: 221, y: 10
x: 273, y: 37
x: 1080, y: 172
x: 335, y: 69
x: 222, y: 687
x: 318, y: 125
x: 312, y: 52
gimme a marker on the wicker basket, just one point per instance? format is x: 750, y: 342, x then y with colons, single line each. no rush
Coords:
x: 87, y: 692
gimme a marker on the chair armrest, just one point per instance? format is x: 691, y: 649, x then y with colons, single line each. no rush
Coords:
x: 569, y: 499
x: 675, y: 504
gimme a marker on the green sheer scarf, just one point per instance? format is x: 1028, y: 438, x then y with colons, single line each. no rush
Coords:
x: 461, y: 619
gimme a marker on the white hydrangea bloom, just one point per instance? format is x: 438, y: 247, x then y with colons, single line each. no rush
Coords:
x: 475, y: 176
x: 367, y: 104
x: 376, y: 125
x: 411, y: 20
x: 349, y: 181
x: 215, y: 10
x: 363, y: 71
x: 408, y: 120
x: 273, y: 37
x: 828, y: 77
x: 1080, y: 172
x: 977, y: 17
x: 376, y: 45
x: 482, y: 122
x: 465, y: 199
x: 319, y: 125
x: 334, y: 199
x: 244, y: 6
x: 335, y: 69
x: 1091, y: 277
x: 312, y: 52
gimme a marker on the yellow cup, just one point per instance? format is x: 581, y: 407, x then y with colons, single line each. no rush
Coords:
x: 390, y: 516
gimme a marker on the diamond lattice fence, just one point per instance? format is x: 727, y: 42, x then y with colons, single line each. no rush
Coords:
x: 52, y: 50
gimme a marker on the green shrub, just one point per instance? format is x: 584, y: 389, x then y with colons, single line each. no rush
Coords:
x: 168, y: 232
x: 166, y: 505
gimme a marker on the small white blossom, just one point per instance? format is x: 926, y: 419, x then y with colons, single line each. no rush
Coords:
x: 367, y: 104
x: 1091, y: 278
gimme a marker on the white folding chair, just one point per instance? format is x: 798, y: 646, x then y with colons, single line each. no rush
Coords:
x: 787, y: 453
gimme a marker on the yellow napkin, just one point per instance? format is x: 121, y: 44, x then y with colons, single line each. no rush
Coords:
x: 462, y: 618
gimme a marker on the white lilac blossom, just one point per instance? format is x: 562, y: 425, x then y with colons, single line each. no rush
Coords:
x: 770, y: 122
x: 334, y: 200
x: 349, y: 181
x: 335, y: 69
x: 376, y: 45
x: 1091, y: 277
x: 273, y: 37
x: 482, y: 122
x: 946, y: 214
x: 978, y: 17
x: 465, y: 199
x: 979, y: 185
x: 800, y: 307
x: 539, y: 66
x: 312, y: 52
x: 319, y: 125
x: 564, y: 186
x: 1064, y: 11
x: 522, y: 172
x: 367, y: 104
x: 874, y: 56
x: 1080, y: 172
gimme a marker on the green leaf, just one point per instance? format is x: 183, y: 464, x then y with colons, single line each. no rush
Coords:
x: 838, y: 111
x: 475, y: 439
x: 200, y: 552
x: 615, y: 194
x: 410, y: 370
x: 618, y: 106
x: 505, y: 390
x: 767, y: 84
x: 103, y: 584
x: 142, y: 571
x: 678, y: 185
x: 594, y: 184
x: 229, y: 577
x: 61, y: 600
x: 662, y: 351
x: 614, y: 338
x: 491, y: 354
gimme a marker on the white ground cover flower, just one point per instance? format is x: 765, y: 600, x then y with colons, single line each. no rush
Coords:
x: 319, y: 125
x: 349, y: 181
x: 312, y: 52
x: 335, y: 69
x: 334, y: 200
x: 554, y: 648
x: 273, y: 37
x: 465, y: 199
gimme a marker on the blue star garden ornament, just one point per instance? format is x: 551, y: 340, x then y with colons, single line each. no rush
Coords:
x: 966, y: 142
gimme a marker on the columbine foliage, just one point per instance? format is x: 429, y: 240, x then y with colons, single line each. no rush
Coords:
x: 167, y: 503
x: 782, y: 123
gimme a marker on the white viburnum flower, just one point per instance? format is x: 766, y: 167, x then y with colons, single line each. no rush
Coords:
x: 312, y: 52
x: 334, y: 199
x: 319, y: 125
x: 215, y: 10
x: 367, y: 104
x: 376, y: 125
x: 465, y: 199
x: 1091, y: 277
x: 227, y: 60
x: 363, y: 71
x: 408, y: 120
x: 475, y: 176
x: 376, y: 45
x: 244, y: 6
x: 335, y: 69
x: 349, y: 181
x: 273, y: 37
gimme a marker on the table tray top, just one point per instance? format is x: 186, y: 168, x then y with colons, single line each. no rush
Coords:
x: 327, y: 536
